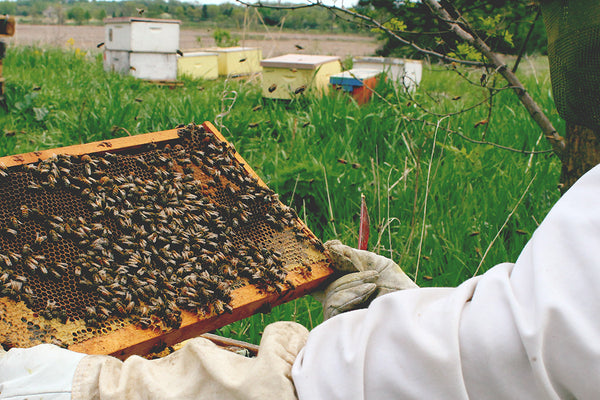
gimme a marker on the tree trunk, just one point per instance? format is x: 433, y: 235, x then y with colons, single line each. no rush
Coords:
x: 581, y: 154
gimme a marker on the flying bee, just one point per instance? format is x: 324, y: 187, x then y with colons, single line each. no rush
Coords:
x: 300, y: 89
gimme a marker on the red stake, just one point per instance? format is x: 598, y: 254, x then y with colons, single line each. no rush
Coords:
x: 363, y: 231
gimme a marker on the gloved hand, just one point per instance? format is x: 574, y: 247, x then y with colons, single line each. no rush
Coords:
x: 200, y: 370
x: 368, y: 275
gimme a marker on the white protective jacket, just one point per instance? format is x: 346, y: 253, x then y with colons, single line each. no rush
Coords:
x: 529, y: 330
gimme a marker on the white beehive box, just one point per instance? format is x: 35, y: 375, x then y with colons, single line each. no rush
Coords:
x: 403, y: 71
x: 142, y: 34
x: 237, y: 61
x: 150, y: 66
x: 199, y: 64
x: 291, y: 74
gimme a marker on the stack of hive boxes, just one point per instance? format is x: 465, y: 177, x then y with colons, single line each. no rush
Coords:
x: 143, y: 47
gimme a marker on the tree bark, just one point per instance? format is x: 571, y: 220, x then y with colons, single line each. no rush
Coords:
x: 581, y: 153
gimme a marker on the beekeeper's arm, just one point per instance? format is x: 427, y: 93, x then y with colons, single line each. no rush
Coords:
x: 528, y: 330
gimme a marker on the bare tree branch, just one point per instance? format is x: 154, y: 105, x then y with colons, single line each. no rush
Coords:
x: 374, y: 23
x: 557, y: 142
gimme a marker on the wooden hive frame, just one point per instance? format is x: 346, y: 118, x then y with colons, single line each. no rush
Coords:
x: 128, y: 339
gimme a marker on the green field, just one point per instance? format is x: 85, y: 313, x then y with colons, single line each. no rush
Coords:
x: 442, y: 207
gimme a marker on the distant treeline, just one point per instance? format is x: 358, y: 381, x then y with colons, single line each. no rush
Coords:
x: 504, y: 24
x: 230, y: 16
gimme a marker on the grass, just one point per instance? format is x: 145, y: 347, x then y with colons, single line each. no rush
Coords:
x: 437, y: 202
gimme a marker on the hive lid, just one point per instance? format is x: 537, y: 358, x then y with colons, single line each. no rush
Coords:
x: 229, y: 49
x: 127, y: 20
x: 301, y: 61
x: 380, y: 60
x: 353, y: 77
x: 199, y: 54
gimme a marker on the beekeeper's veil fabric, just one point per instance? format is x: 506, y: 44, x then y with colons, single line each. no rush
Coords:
x: 573, y: 28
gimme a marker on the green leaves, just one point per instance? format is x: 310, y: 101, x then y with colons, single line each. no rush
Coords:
x: 394, y: 25
x: 465, y: 51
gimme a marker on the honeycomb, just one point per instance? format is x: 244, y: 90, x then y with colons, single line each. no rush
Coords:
x: 92, y: 243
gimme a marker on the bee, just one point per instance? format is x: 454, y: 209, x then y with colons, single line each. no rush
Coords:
x: 103, y: 312
x: 24, y: 211
x: 39, y: 239
x: 42, y: 268
x: 34, y: 186
x: 129, y: 307
x: 10, y: 232
x: 300, y: 89
x: 272, y: 88
x: 145, y: 322
x: 15, y: 285
x: 242, y: 60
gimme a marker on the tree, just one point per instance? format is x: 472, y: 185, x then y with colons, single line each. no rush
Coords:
x: 100, y: 14
x: 78, y: 14
x: 501, y: 23
x: 581, y: 150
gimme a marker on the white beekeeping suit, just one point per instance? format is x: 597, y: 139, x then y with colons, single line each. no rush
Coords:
x: 529, y: 330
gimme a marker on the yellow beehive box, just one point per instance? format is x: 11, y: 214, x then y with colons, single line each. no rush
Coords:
x: 237, y: 61
x: 294, y: 74
x: 199, y: 64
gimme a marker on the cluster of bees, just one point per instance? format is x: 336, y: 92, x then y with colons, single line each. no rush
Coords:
x: 160, y: 231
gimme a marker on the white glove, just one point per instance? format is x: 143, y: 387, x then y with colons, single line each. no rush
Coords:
x: 200, y: 370
x: 43, y: 371
x: 376, y: 276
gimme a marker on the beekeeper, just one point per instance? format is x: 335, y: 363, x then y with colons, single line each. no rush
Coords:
x: 528, y: 330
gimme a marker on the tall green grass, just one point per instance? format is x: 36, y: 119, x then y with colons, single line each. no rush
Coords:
x: 438, y: 203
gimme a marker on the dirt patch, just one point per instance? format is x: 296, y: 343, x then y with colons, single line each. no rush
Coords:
x: 272, y: 43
